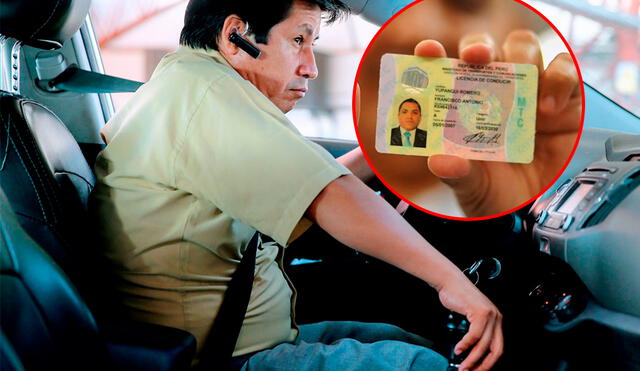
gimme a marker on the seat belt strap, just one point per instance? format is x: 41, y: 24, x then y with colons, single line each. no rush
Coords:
x: 217, y: 350
x: 81, y: 81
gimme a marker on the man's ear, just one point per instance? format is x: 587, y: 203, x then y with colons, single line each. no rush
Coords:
x: 232, y: 23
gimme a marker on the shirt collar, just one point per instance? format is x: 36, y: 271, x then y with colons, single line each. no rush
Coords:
x: 209, y: 52
x: 407, y: 131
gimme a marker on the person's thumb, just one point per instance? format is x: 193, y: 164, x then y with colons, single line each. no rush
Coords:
x: 467, y: 179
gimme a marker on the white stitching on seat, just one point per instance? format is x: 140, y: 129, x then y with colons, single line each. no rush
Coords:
x: 47, y: 21
x: 67, y: 172
x: 6, y: 150
x: 44, y: 215
x: 43, y: 168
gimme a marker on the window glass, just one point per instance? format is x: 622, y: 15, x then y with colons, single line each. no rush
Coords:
x: 605, y: 36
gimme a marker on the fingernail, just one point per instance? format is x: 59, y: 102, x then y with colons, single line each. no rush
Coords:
x: 488, y: 46
x: 548, y: 103
x: 477, y: 43
x: 457, y: 351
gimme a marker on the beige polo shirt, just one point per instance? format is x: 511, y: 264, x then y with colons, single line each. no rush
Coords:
x: 195, y: 162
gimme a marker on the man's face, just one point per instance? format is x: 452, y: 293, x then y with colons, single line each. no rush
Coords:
x: 409, y: 116
x: 287, y: 61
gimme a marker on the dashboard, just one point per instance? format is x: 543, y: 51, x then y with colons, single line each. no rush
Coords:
x: 590, y: 218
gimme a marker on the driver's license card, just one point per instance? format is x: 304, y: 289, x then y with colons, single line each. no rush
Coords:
x: 430, y: 106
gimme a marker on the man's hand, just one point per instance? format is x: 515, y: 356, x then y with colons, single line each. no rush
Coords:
x: 485, y: 333
x: 485, y: 188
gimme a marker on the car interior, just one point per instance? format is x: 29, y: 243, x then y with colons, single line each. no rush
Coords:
x: 564, y: 271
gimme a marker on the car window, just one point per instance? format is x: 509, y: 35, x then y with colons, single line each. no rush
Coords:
x: 134, y: 35
x: 604, y: 36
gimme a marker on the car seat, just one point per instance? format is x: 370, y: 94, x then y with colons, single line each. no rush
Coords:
x: 46, y: 182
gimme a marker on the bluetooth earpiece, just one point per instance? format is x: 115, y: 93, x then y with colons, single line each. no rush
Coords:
x: 242, y: 43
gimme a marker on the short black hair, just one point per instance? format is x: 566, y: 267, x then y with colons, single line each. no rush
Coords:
x: 410, y: 100
x: 204, y: 19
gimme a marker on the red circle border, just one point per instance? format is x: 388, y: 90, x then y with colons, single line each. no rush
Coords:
x: 575, y: 145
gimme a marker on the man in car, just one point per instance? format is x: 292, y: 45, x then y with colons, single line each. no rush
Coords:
x: 203, y: 156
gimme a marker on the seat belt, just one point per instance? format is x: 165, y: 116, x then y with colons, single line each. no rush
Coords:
x: 81, y: 81
x: 217, y: 350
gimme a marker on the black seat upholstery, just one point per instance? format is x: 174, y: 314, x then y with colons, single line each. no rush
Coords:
x: 42, y: 23
x: 46, y: 321
x: 44, y: 187
x: 10, y: 360
x: 46, y: 179
x: 42, y: 170
x: 47, y: 183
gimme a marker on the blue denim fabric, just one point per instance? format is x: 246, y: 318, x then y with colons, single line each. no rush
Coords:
x: 350, y: 346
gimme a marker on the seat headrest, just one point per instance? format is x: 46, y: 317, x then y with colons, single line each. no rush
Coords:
x: 43, y: 24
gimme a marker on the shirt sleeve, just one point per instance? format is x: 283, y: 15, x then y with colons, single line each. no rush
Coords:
x: 242, y: 154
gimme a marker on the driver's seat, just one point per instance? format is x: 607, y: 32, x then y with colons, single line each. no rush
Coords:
x: 46, y: 181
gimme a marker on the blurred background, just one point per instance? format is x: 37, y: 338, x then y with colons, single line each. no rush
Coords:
x: 604, y: 34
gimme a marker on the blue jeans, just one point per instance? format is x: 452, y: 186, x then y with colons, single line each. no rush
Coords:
x: 349, y: 346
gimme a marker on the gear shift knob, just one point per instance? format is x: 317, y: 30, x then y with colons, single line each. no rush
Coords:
x: 457, y: 327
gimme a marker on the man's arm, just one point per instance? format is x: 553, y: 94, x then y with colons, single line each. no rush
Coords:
x: 354, y: 215
x: 354, y: 161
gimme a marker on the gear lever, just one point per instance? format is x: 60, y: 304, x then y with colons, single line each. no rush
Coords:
x: 457, y: 324
x: 457, y: 327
